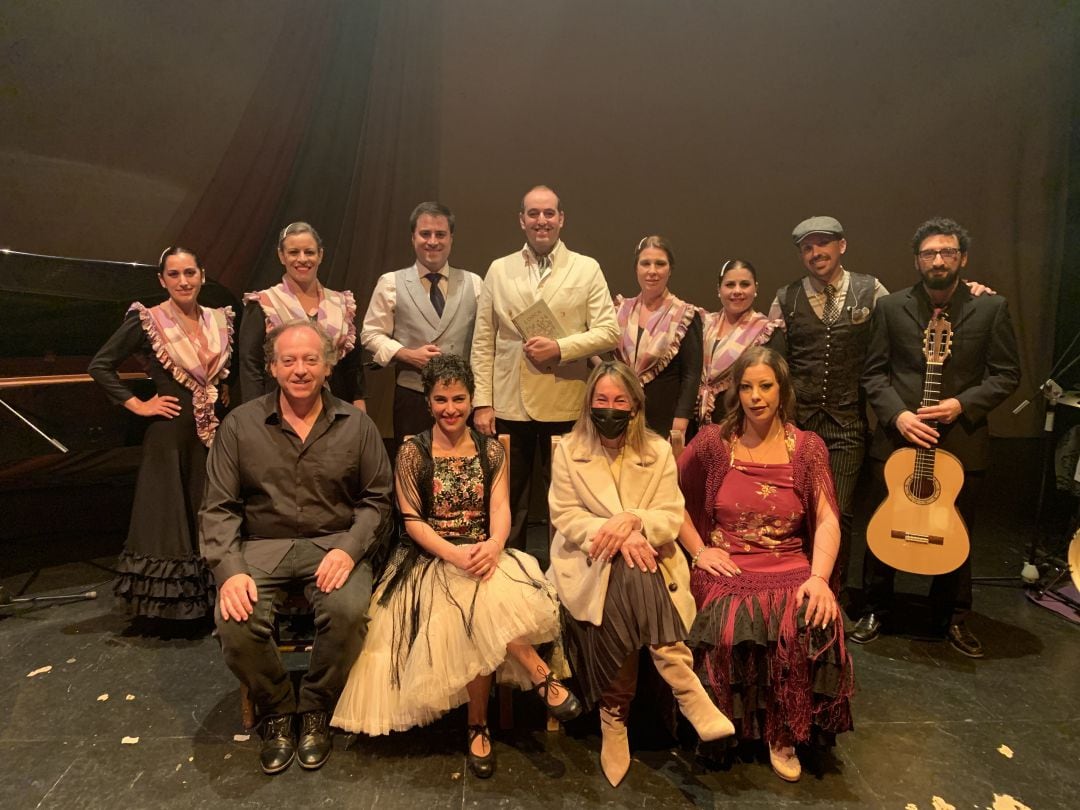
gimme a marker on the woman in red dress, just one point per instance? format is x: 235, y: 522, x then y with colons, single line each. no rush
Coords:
x: 768, y: 640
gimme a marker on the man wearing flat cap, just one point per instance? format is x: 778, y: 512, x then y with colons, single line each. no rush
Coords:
x: 824, y: 329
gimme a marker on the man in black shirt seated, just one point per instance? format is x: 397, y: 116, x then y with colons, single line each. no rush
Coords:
x: 298, y: 491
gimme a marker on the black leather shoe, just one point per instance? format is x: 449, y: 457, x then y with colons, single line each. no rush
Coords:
x: 315, y: 740
x: 964, y: 641
x: 565, y: 711
x: 279, y: 743
x: 866, y: 629
x: 482, y: 767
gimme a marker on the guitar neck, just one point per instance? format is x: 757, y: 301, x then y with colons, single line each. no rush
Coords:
x: 931, y: 393
x: 924, y: 457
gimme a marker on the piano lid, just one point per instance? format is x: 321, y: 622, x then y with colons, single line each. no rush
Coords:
x: 60, y: 311
x: 57, y: 313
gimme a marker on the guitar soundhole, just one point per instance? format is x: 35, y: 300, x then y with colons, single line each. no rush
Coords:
x: 922, y: 489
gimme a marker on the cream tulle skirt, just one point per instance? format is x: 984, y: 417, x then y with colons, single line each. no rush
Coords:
x: 461, y: 627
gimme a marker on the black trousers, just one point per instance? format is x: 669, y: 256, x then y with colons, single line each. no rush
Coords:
x: 950, y: 594
x: 340, y: 626
x: 525, y: 439
x: 847, y: 449
x: 411, y: 415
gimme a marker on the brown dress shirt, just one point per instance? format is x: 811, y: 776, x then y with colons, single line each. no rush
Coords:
x: 266, y: 489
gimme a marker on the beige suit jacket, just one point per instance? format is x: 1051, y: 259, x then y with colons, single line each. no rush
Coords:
x: 578, y: 295
x: 584, y: 495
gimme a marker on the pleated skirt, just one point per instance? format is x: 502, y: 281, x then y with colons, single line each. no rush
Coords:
x: 638, y: 612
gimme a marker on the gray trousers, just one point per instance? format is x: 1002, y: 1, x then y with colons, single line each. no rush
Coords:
x: 340, y: 627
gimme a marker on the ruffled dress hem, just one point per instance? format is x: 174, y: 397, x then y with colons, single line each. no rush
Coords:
x: 776, y: 678
x: 165, y: 589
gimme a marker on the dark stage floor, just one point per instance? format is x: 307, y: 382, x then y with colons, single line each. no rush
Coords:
x: 933, y: 729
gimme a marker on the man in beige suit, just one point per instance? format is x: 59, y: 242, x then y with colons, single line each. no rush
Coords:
x: 533, y: 389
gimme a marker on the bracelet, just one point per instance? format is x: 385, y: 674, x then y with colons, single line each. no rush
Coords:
x: 819, y: 576
x: 694, y: 559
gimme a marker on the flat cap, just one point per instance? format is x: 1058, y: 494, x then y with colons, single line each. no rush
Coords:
x: 828, y: 225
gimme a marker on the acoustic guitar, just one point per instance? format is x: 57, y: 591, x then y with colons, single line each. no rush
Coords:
x: 918, y: 528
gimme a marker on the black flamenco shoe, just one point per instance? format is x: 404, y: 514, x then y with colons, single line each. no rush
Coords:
x: 482, y: 767
x: 565, y: 711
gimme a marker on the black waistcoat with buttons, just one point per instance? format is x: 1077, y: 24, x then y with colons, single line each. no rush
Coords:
x: 827, y: 361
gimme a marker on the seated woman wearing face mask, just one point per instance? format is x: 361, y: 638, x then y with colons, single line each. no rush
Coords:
x: 623, y: 583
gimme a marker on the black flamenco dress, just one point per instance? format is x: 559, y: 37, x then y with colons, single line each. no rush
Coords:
x: 161, y: 571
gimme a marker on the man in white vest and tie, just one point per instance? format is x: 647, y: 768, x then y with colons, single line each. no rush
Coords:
x: 532, y: 386
x: 420, y: 312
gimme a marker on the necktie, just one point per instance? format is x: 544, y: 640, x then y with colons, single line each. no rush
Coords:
x: 435, y: 293
x: 831, y: 310
x: 543, y: 264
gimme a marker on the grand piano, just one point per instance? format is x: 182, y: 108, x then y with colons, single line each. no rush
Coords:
x: 57, y: 429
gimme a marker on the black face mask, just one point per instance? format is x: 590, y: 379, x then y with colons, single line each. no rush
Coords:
x: 611, y: 422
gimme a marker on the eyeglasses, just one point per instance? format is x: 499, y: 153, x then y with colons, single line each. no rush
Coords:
x: 948, y: 254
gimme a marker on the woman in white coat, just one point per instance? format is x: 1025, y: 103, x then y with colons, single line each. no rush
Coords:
x: 623, y: 582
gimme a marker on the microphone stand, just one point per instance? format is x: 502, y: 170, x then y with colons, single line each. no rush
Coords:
x: 1051, y: 392
x: 7, y: 600
x: 35, y: 428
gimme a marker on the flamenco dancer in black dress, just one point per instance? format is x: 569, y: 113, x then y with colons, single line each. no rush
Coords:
x: 185, y: 350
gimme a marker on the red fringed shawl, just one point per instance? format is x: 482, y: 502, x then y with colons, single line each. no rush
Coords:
x: 707, y: 459
x: 791, y: 707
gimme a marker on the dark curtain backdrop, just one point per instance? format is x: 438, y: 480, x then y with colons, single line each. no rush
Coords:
x: 348, y: 143
x: 721, y: 125
x: 718, y: 124
x: 1067, y: 343
x: 239, y: 206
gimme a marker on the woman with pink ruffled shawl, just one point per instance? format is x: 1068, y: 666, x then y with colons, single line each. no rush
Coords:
x: 185, y: 349
x: 661, y: 340
x: 299, y: 296
x: 727, y: 334
x: 763, y: 534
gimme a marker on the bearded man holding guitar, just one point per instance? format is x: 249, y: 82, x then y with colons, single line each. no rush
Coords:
x: 982, y: 370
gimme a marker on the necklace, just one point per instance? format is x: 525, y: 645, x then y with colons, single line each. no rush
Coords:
x: 764, y: 444
x: 308, y: 299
